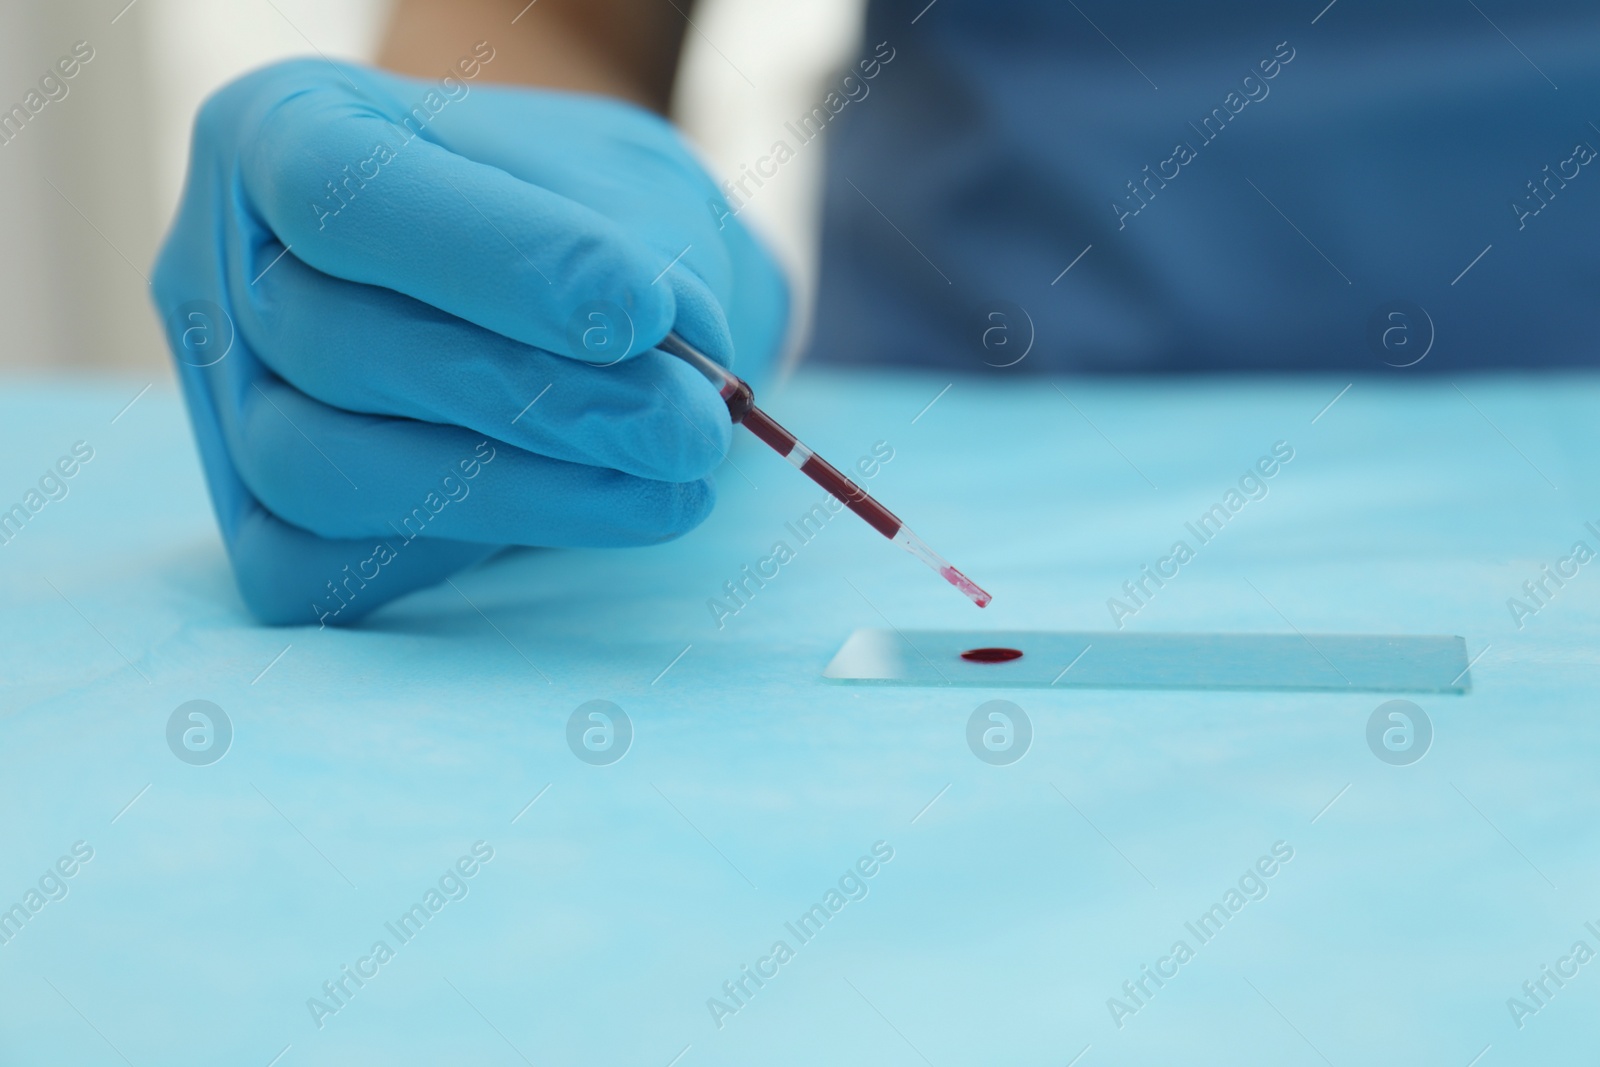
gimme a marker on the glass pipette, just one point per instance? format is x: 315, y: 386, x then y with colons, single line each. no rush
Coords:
x: 742, y: 408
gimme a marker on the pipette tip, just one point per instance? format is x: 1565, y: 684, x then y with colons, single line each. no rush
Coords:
x: 966, y: 585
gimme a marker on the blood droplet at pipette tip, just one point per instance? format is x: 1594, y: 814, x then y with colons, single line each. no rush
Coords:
x: 742, y: 408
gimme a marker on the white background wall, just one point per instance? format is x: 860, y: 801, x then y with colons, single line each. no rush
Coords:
x: 88, y: 188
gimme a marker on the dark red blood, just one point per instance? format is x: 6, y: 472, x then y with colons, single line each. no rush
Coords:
x: 854, y: 497
x: 991, y: 655
x: 757, y: 422
x: 821, y: 471
x: 739, y: 398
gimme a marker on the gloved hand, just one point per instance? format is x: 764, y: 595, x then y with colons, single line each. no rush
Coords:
x: 371, y: 279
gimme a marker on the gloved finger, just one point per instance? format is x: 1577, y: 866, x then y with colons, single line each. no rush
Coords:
x: 374, y: 351
x: 289, y: 576
x: 757, y: 306
x: 343, y: 475
x: 354, y: 193
x: 700, y: 318
x: 283, y: 572
x: 646, y: 178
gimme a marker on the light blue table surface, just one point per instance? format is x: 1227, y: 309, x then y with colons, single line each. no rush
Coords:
x: 1020, y: 898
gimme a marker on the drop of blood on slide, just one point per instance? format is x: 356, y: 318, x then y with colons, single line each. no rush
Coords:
x: 991, y: 655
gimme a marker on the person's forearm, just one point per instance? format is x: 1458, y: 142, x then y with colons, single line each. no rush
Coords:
x: 622, y: 48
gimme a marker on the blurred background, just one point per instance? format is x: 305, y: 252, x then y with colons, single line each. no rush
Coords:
x: 90, y: 183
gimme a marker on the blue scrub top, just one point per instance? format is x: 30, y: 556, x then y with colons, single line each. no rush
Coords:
x: 1257, y: 186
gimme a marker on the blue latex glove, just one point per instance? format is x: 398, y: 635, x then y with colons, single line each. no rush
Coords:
x: 362, y: 311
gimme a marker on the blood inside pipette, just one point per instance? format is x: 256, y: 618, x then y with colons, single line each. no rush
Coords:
x: 742, y: 408
x: 824, y: 474
x: 850, y: 494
